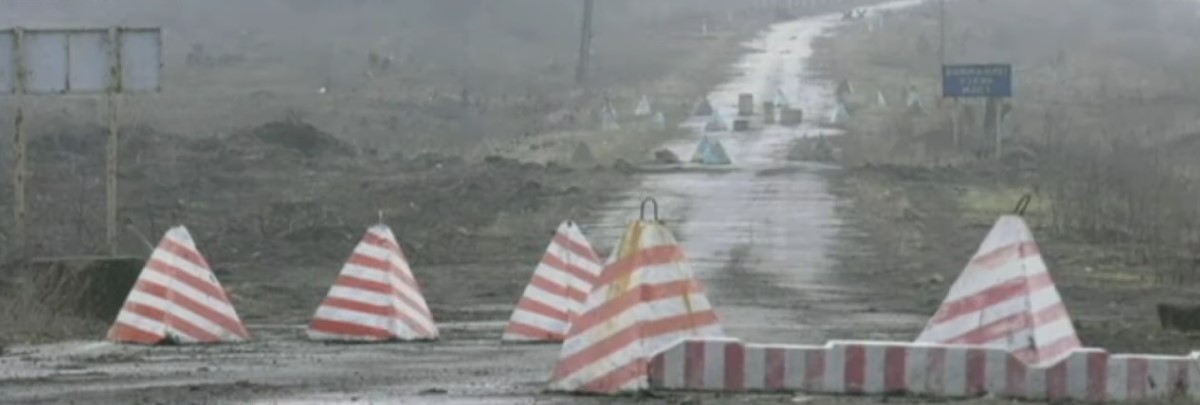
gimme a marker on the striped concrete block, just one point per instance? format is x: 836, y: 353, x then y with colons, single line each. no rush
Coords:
x: 935, y: 370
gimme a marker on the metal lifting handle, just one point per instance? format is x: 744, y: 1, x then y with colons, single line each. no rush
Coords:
x: 643, y: 210
x: 1022, y: 204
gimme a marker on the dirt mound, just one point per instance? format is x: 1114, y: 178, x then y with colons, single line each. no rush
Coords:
x: 665, y: 156
x: 298, y: 136
x: 582, y: 156
x: 87, y: 287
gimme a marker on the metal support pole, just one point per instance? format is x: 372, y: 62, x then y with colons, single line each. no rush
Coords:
x: 993, y: 111
x: 942, y: 33
x: 19, y: 171
x: 585, y: 44
x: 954, y: 118
x: 110, y: 219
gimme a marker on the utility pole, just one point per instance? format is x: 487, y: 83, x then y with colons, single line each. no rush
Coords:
x: 942, y: 33
x: 585, y: 44
x: 110, y: 170
x: 19, y: 173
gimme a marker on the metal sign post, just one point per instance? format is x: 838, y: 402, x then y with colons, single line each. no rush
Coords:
x: 110, y: 172
x: 992, y: 82
x: 111, y: 61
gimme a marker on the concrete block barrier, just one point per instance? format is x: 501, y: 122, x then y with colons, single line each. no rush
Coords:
x: 920, y: 369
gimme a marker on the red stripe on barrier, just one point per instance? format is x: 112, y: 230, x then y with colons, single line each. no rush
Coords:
x: 628, y: 299
x: 184, y: 252
x: 677, y: 323
x: 381, y: 242
x: 578, y: 249
x: 993, y: 295
x: 776, y: 363
x: 575, y: 271
x: 1097, y: 376
x: 364, y: 284
x: 222, y: 321
x: 652, y: 256
x: 895, y: 361
x: 599, y: 350
x: 1137, y: 378
x: 693, y: 365
x: 814, y: 371
x: 1003, y: 254
x: 735, y: 366
x: 541, y: 308
x: 1057, y: 348
x: 1006, y: 326
x: 854, y: 373
x: 386, y: 266
x: 618, y: 377
x: 656, y: 369
x: 532, y: 332
x: 349, y: 329
x: 976, y: 371
x: 1014, y: 377
x: 122, y: 332
x: 380, y: 288
x: 1056, y: 381
x: 935, y: 370
x: 359, y: 306
x: 205, y: 287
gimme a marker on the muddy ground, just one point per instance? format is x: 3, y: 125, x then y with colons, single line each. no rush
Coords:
x: 795, y: 252
x: 473, y: 225
x: 737, y: 223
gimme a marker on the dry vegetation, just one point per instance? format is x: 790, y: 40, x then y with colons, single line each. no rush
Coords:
x: 1102, y: 132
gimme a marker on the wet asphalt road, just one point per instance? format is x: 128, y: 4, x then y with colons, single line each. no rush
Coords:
x: 759, y: 236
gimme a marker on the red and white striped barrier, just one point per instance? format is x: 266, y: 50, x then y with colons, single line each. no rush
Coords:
x: 1005, y: 298
x: 375, y: 297
x: 645, y: 299
x: 558, y: 289
x: 177, y: 298
x: 935, y: 370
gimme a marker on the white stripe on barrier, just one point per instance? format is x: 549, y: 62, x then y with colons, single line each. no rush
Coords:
x: 996, y: 371
x: 675, y: 362
x: 1077, y: 374
x: 795, y: 368
x: 835, y: 368
x: 755, y: 367
x: 915, y: 378
x: 954, y: 371
x: 714, y: 364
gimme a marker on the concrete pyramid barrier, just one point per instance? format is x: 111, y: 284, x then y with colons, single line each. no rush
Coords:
x: 659, y: 120
x: 711, y: 152
x: 643, y: 108
x: 375, y: 297
x: 703, y: 108
x: 781, y: 100
x: 177, y: 299
x: 582, y: 155
x: 558, y: 289
x: 839, y: 115
x: 609, y: 121
x: 645, y: 300
x: 1005, y: 298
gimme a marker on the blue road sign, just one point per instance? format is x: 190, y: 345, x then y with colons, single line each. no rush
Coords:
x: 962, y: 81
